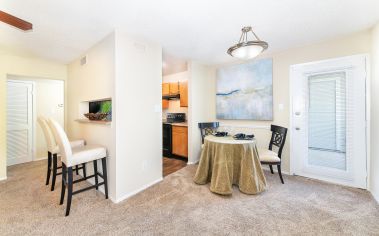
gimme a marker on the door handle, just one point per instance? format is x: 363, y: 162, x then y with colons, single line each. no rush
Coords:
x: 297, y: 128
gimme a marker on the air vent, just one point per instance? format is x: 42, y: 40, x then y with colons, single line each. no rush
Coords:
x: 83, y: 60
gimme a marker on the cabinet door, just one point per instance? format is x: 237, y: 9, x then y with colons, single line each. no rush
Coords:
x: 164, y: 103
x: 183, y: 87
x: 180, y: 141
x: 174, y: 88
x: 165, y: 89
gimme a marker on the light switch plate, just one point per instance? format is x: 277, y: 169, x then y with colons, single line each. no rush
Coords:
x: 281, y: 106
x: 157, y: 108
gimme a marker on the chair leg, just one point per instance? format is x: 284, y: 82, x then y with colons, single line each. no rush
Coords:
x: 77, y: 170
x: 95, y: 173
x: 272, y: 171
x: 64, y: 181
x: 48, y: 168
x: 84, y: 170
x: 55, y: 168
x: 69, y: 190
x: 105, y: 177
x: 280, y: 174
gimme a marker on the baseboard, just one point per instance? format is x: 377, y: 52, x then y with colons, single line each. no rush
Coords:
x: 3, y: 178
x: 137, y: 191
x: 275, y: 171
x: 192, y: 163
x: 40, y: 159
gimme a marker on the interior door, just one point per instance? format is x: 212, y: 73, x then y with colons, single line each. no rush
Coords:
x: 328, y: 120
x: 19, y: 122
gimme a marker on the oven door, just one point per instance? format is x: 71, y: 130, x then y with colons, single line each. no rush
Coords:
x: 167, y: 140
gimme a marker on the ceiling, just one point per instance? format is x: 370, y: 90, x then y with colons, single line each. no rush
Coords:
x: 189, y: 29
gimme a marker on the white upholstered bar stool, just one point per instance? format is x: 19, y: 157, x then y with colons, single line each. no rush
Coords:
x: 77, y: 156
x: 53, y: 151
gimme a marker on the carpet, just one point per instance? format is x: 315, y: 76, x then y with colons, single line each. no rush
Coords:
x: 178, y: 206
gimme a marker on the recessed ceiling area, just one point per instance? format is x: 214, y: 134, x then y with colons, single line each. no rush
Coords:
x: 195, y: 30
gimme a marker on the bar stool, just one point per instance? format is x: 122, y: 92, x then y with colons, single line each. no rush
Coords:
x: 53, y: 151
x: 77, y: 156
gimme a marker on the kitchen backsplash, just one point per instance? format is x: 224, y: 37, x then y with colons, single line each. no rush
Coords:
x: 174, y: 107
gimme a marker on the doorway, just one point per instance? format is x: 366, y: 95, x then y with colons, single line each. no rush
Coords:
x: 19, y: 121
x: 27, y: 99
x: 328, y: 120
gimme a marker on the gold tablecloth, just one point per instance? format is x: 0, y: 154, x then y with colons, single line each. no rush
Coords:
x: 225, y: 161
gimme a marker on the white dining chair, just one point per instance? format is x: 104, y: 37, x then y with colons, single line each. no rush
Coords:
x: 76, y: 156
x: 53, y: 151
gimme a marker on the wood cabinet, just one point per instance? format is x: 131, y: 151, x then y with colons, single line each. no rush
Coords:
x: 180, y: 140
x: 165, y: 89
x: 165, y: 103
x: 183, y: 89
x: 174, y: 88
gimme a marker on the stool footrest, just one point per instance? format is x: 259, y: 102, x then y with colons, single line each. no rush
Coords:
x: 88, y: 188
x: 82, y: 179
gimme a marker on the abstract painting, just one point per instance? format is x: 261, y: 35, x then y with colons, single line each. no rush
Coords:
x: 244, y: 92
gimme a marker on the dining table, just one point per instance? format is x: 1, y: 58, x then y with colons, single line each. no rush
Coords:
x: 226, y: 161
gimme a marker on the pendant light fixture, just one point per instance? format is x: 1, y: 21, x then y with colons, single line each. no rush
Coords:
x: 245, y: 49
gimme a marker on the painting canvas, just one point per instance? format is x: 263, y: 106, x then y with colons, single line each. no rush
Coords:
x: 244, y: 92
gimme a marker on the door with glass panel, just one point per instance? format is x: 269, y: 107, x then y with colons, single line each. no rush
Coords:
x: 328, y: 120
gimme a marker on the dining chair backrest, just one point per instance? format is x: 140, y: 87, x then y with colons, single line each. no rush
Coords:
x: 207, y: 128
x: 49, y: 136
x: 278, y: 138
x: 63, y: 142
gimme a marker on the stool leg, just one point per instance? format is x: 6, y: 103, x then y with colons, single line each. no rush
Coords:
x: 84, y: 171
x: 55, y: 167
x: 64, y: 181
x: 48, y: 168
x: 69, y: 190
x: 104, y: 164
x: 95, y: 173
x: 272, y: 171
x: 280, y: 174
x: 77, y: 170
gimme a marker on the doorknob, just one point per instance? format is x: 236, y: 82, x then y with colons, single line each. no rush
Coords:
x: 297, y: 128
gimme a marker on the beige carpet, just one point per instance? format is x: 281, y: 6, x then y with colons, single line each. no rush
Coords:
x: 177, y: 206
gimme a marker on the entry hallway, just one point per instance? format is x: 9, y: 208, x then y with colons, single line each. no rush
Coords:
x: 177, y: 206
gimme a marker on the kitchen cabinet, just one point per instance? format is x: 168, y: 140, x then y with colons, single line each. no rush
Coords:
x: 183, y: 89
x: 174, y: 88
x: 165, y: 103
x: 165, y: 89
x: 180, y: 141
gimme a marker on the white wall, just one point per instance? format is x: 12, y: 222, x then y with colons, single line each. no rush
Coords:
x: 94, y: 80
x: 174, y: 105
x: 374, y: 167
x: 357, y: 43
x: 201, y: 104
x: 16, y: 63
x: 138, y: 114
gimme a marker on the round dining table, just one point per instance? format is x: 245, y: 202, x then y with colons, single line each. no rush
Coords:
x: 225, y: 162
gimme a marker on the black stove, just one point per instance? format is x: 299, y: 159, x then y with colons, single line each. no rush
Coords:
x: 175, y: 117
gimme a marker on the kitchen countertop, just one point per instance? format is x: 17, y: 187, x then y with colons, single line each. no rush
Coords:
x: 177, y: 124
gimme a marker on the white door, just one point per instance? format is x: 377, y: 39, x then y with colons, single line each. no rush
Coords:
x: 19, y: 122
x: 328, y: 120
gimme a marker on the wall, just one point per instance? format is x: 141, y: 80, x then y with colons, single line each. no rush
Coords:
x: 138, y: 114
x: 357, y: 43
x: 374, y: 167
x: 54, y: 90
x: 201, y: 104
x: 94, y: 80
x: 174, y: 105
x: 12, y: 63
